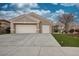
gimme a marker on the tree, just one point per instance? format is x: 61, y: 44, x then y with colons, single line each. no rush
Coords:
x: 66, y: 19
x: 77, y: 30
x: 56, y: 28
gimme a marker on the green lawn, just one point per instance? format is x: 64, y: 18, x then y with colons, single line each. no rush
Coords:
x: 67, y: 40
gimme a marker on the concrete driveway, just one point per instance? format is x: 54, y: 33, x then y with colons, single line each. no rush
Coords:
x: 28, y: 40
x: 33, y: 45
x: 25, y: 44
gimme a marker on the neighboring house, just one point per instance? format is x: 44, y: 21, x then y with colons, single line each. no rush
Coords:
x: 61, y: 26
x: 30, y: 23
x: 4, y: 24
x: 74, y: 26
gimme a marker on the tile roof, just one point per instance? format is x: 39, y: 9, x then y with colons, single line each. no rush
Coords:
x: 31, y: 17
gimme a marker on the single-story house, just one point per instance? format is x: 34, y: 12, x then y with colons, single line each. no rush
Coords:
x: 4, y: 24
x: 30, y: 23
x: 74, y: 26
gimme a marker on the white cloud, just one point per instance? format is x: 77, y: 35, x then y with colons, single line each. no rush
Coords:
x: 60, y: 11
x: 24, y: 7
x: 33, y: 5
x: 48, y: 14
x: 45, y: 13
x: 9, y: 14
x: 29, y: 5
x: 35, y: 11
x: 20, y: 5
x: 5, y: 6
x: 42, y: 12
x: 55, y: 3
x: 54, y: 15
x: 67, y: 4
x: 12, y: 14
x: 77, y: 5
x: 27, y: 8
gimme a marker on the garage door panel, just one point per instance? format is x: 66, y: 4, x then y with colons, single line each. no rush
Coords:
x: 45, y: 29
x: 25, y: 28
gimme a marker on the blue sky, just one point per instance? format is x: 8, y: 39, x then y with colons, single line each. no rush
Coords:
x: 48, y: 10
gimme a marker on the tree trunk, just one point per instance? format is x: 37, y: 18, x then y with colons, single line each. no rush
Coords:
x: 66, y: 28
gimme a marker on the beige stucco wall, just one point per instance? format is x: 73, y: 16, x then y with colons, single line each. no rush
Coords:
x: 12, y: 27
x: 39, y: 27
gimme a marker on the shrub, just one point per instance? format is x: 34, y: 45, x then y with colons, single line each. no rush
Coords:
x: 77, y: 30
x: 56, y: 30
x: 7, y: 30
x: 71, y: 30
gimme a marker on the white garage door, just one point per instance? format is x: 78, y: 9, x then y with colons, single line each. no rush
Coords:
x: 45, y: 29
x: 25, y: 28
